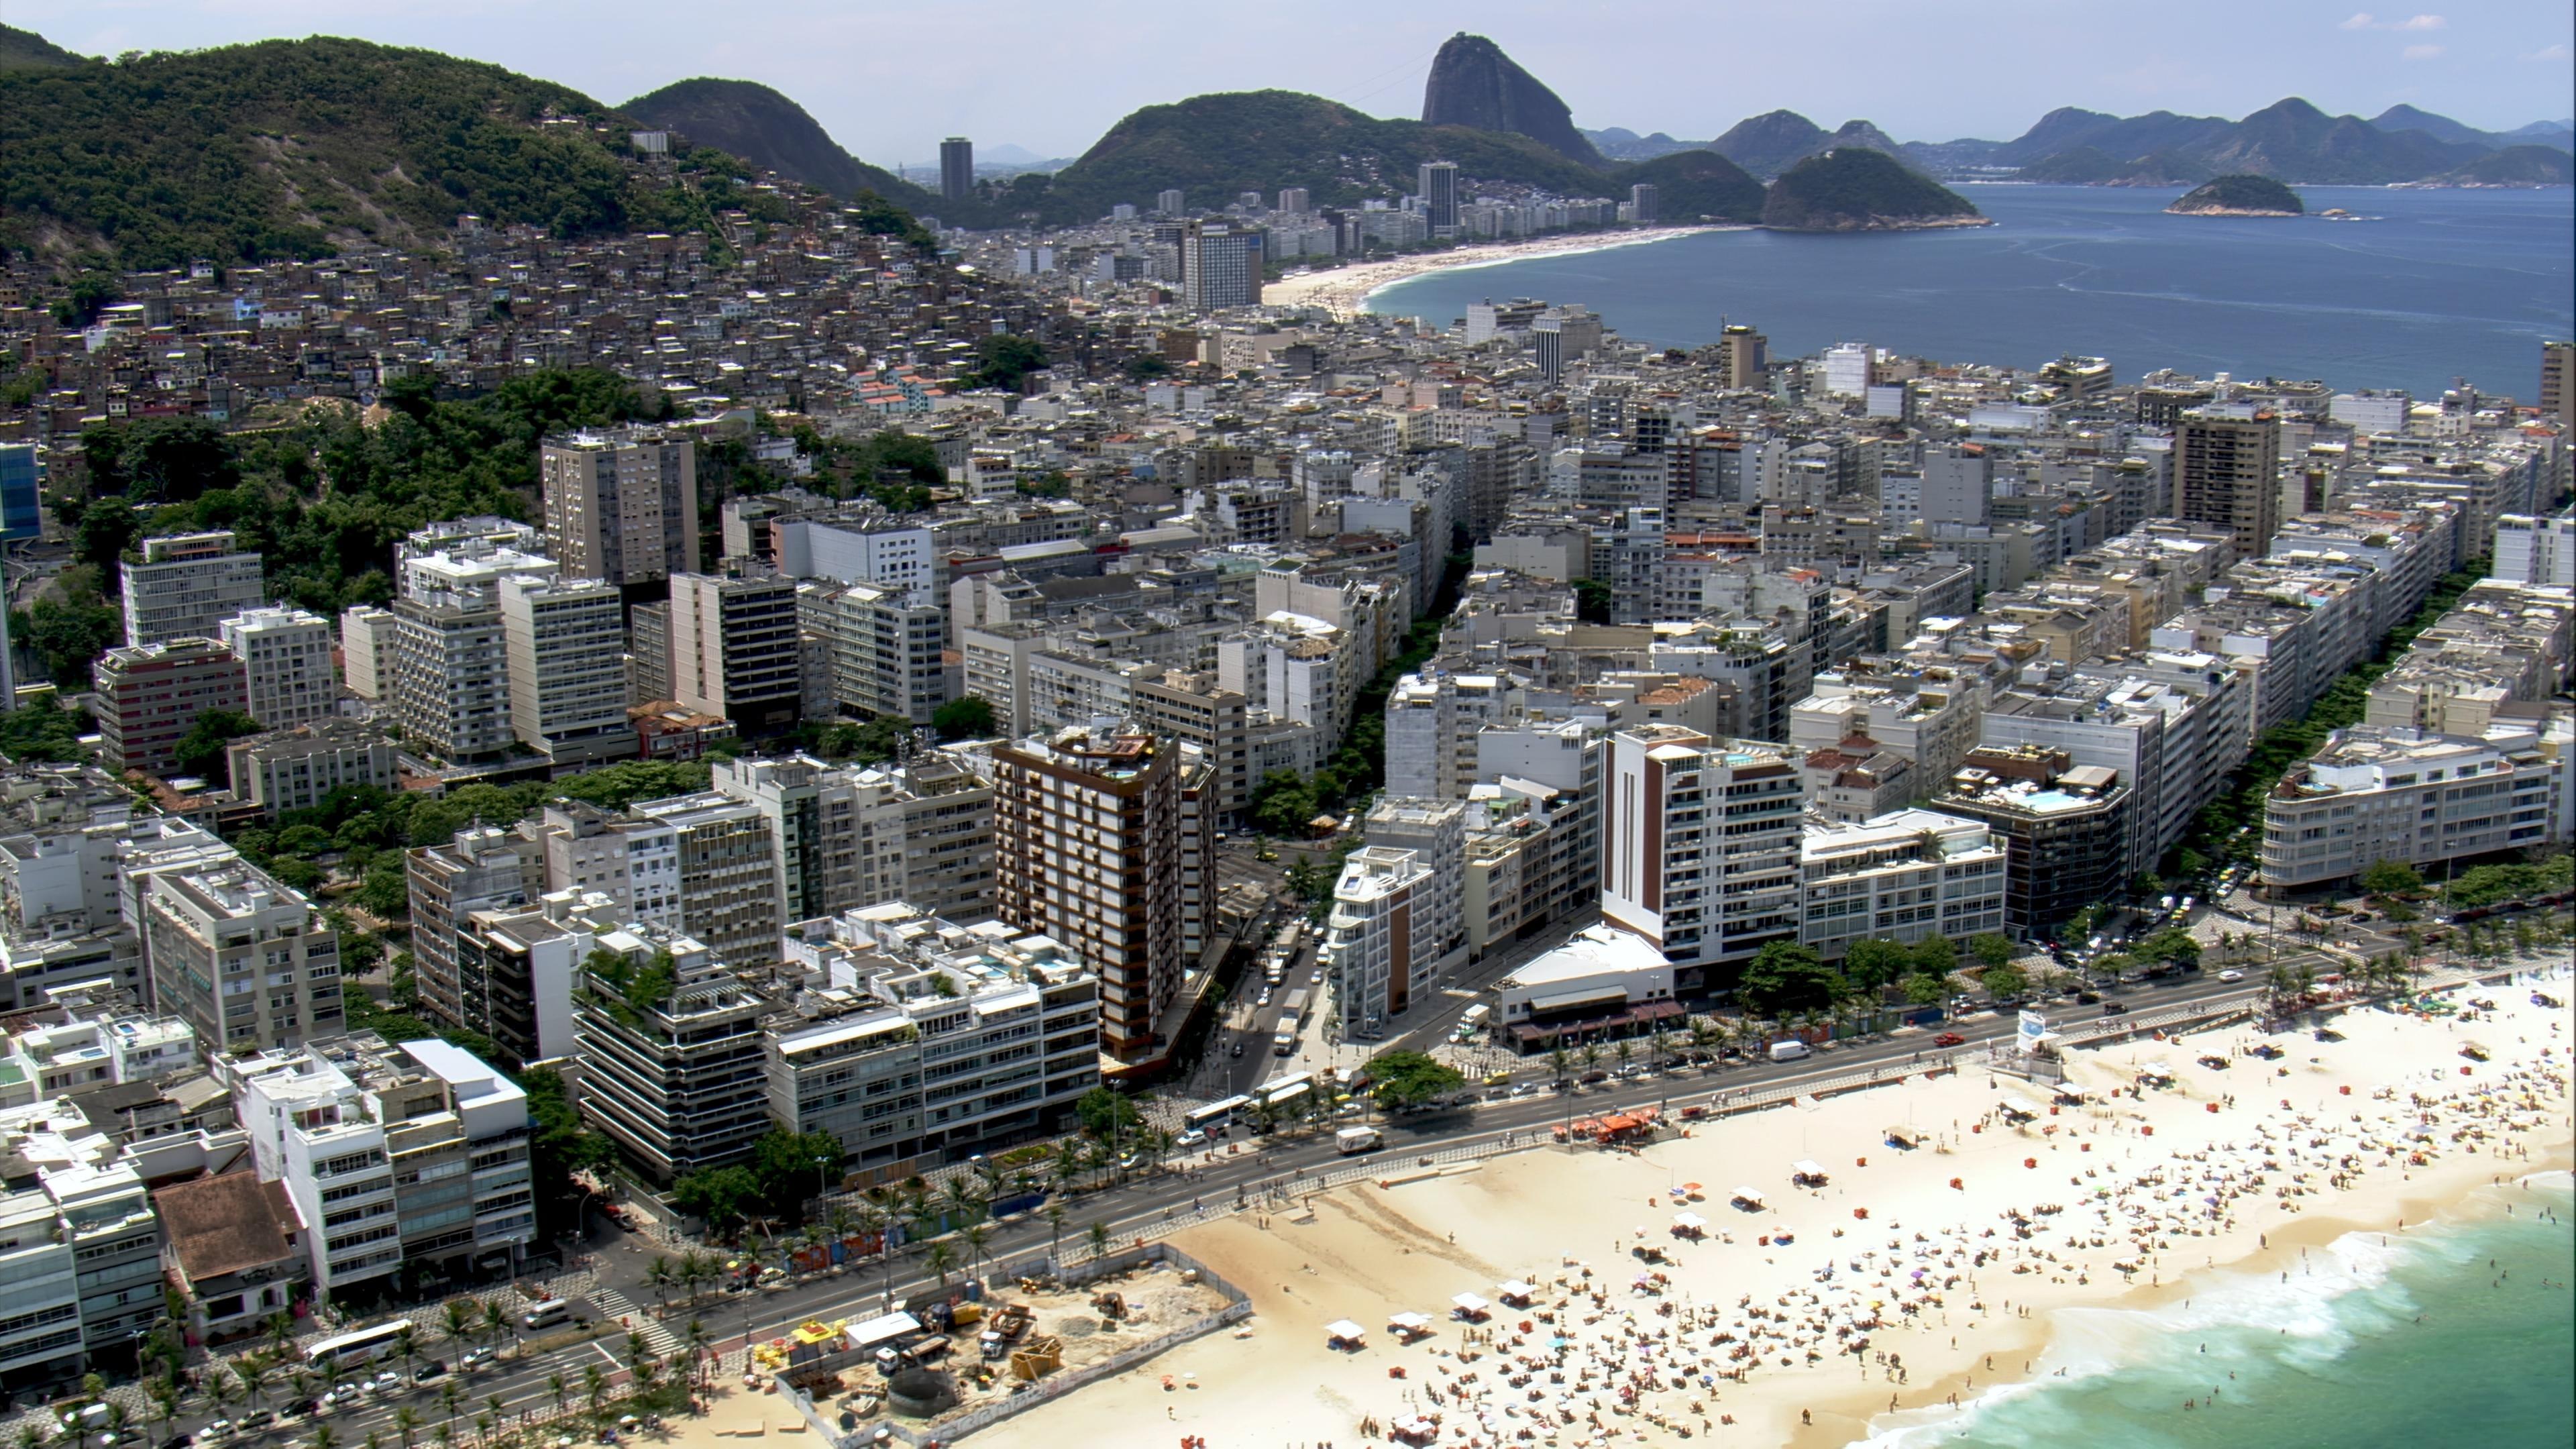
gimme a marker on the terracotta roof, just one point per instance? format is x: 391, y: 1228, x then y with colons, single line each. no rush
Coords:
x: 224, y: 1224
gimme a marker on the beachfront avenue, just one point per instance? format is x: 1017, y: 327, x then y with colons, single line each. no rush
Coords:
x: 1186, y: 1184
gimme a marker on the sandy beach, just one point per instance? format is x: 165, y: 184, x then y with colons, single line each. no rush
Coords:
x: 1908, y: 1282
x: 1344, y: 290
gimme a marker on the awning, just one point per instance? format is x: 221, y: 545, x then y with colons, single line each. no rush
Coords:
x: 1407, y: 1322
x: 1516, y: 1289
x: 1470, y: 1303
x: 1571, y: 1000
x: 1903, y: 1134
x: 1745, y: 1195
x: 1690, y: 1222
x: 1803, y: 1168
x: 1344, y: 1329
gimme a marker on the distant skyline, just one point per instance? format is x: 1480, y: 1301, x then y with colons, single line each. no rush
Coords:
x: 888, y: 81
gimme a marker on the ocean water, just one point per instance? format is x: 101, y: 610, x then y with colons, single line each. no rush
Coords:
x: 2447, y: 284
x: 2412, y: 1342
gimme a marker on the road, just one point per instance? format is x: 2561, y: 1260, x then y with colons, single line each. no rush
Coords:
x: 1275, y: 1165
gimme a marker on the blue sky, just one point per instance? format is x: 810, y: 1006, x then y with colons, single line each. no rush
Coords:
x: 889, y: 80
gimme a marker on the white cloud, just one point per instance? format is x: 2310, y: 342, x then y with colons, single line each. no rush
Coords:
x: 2421, y: 52
x: 2361, y: 21
x: 2548, y: 52
x: 2364, y: 20
x: 2420, y: 22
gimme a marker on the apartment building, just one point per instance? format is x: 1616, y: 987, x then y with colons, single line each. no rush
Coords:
x: 1699, y: 849
x: 1931, y: 722
x: 1903, y: 876
x: 918, y: 1039
x: 2064, y: 828
x: 2530, y: 550
x: 1388, y: 937
x: 483, y: 868
x: 392, y: 1155
x: 622, y: 504
x: 295, y: 769
x: 563, y: 642
x: 367, y: 650
x: 1191, y: 707
x: 243, y: 959
x: 885, y: 652
x: 734, y: 649
x: 633, y: 860
x: 81, y: 1273
x: 451, y: 648
x: 184, y: 586
x: 286, y: 664
x: 674, y: 1061
x: 1087, y: 850
x: 2378, y: 792
x: 2227, y: 466
x: 728, y: 876
x: 150, y: 695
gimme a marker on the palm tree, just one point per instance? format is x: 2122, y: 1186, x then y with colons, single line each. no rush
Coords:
x: 406, y: 1419
x: 498, y: 1409
x: 963, y: 1202
x: 496, y: 1320
x: 1556, y: 1060
x: 975, y: 1237
x: 483, y: 1428
x: 1099, y: 1235
x: 1055, y: 1231
x: 445, y: 1436
x: 407, y: 1347
x: 1625, y: 1051
x: 693, y: 1270
x: 1591, y: 1055
x: 940, y: 1259
x: 594, y: 1382
x: 698, y: 1340
x: 450, y: 1394
x: 991, y: 1173
x: 281, y: 1330
x: 457, y: 1318
x: 870, y: 1222
x: 636, y: 1352
x: 322, y: 1436
x: 555, y: 1385
x: 1068, y: 1157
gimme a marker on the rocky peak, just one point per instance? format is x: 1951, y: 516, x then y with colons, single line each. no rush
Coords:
x: 1474, y: 84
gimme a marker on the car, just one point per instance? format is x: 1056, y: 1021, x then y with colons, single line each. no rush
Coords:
x: 342, y: 1395
x: 2113, y: 1008
x: 387, y: 1382
x: 430, y: 1373
x: 1238, y: 1050
x: 2087, y: 998
x: 216, y: 1432
x: 179, y: 1441
x: 1526, y: 1089
x: 2231, y: 974
x: 1948, y: 1039
x: 472, y: 1359
x: 1263, y: 999
x: 1192, y: 1138
x: 1595, y: 1078
x: 258, y: 1421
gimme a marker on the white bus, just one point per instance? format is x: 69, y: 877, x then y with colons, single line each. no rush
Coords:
x: 364, y: 1346
x: 1213, y: 1113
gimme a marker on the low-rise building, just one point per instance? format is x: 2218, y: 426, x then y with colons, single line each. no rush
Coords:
x: 295, y: 769
x: 2384, y: 792
x: 1604, y: 984
x: 1899, y: 877
x: 150, y: 695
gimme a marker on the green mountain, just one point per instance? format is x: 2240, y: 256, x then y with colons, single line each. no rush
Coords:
x: 26, y: 50
x: 2241, y: 196
x: 289, y: 148
x: 1213, y: 147
x: 2514, y: 166
x: 2093, y: 166
x: 1855, y: 188
x: 1690, y: 185
x: 770, y: 131
x: 2291, y: 139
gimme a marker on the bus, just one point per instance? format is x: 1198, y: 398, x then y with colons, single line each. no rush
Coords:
x: 1283, y: 1090
x: 1213, y: 1113
x: 364, y: 1346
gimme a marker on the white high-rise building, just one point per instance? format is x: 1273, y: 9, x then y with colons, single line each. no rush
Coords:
x: 367, y: 650
x: 186, y: 585
x: 1699, y: 848
x: 565, y: 642
x: 286, y: 658
x: 1848, y: 370
x: 2531, y: 550
x: 239, y: 956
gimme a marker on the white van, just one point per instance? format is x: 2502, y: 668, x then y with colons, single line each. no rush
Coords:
x: 1790, y: 1051
x: 545, y: 1315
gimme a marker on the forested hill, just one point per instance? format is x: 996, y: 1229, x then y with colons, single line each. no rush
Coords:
x: 291, y: 148
x: 768, y: 129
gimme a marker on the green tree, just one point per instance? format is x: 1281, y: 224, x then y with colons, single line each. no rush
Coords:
x: 1925, y: 989
x: 2390, y: 877
x: 1408, y: 1078
x: 1876, y: 961
x: 1786, y: 977
x: 719, y: 1196
x: 2005, y: 982
x: 964, y: 718
x: 1105, y: 1112
x: 1936, y: 954
x: 1992, y: 949
x: 41, y: 731
x: 201, y: 751
x: 1004, y: 360
x: 1145, y: 367
x: 1592, y: 601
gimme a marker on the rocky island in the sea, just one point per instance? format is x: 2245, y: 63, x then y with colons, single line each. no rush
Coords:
x: 1852, y: 188
x: 2240, y: 196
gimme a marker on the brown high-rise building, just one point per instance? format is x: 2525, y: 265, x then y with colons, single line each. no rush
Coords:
x: 1087, y: 848
x: 2558, y: 381
x: 621, y: 505
x: 2227, y: 472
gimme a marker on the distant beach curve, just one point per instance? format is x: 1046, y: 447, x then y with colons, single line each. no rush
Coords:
x: 1344, y: 291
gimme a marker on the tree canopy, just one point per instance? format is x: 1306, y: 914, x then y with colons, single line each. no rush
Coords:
x: 1786, y: 977
x: 1409, y: 1078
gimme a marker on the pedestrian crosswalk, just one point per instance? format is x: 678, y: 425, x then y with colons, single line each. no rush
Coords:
x: 643, y: 1325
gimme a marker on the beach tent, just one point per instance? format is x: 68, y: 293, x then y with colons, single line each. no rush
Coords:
x: 2016, y: 1107
x: 1342, y: 1330
x: 1471, y: 1306
x: 1410, y: 1325
x: 1903, y: 1136
x: 1516, y: 1293
x: 1690, y: 1224
x: 1747, y: 1198
x: 1806, y: 1173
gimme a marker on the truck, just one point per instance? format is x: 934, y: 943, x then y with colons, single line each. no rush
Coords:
x: 1357, y: 1139
x: 1472, y: 1022
x: 1284, y: 1044
x: 1790, y: 1051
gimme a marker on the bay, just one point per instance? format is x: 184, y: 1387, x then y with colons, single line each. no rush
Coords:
x: 2447, y: 284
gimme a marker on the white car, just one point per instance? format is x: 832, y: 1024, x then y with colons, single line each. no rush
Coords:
x: 2231, y: 974
x: 1192, y: 1138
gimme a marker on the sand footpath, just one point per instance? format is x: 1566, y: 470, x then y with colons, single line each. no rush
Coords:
x: 1908, y: 1280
